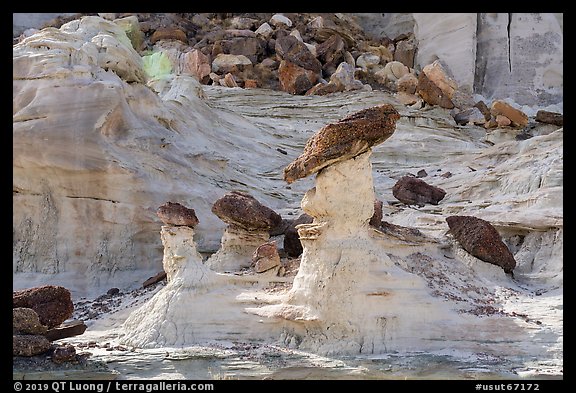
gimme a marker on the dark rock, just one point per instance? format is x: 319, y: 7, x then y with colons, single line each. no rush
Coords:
x: 406, y: 234
x: 172, y: 213
x: 289, y: 48
x: 331, y: 52
x: 243, y: 210
x: 432, y: 93
x: 281, y: 228
x: 550, y: 117
x: 265, y: 257
x: 26, y: 321
x: 29, y: 345
x: 421, y: 173
x: 482, y: 240
x: 413, y: 191
x: 63, y: 353
x: 113, y: 291
x: 470, y: 115
x: 483, y: 108
x: 376, y: 218
x: 66, y: 330
x: 250, y: 47
x: 292, y: 245
x: 295, y: 79
x: 343, y: 140
x: 404, y: 53
x: 53, y: 304
x: 153, y: 280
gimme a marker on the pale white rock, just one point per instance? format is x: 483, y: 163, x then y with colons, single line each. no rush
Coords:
x: 265, y: 30
x: 367, y: 60
x: 311, y: 48
x: 296, y: 33
x: 236, y: 249
x: 279, y: 20
x: 344, y: 76
x: 224, y: 62
x: 450, y: 37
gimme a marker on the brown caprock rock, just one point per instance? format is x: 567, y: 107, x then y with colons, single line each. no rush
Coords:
x: 343, y: 140
x: 481, y: 240
x: 53, y: 304
x: 243, y: 210
x: 26, y: 321
x: 413, y: 191
x: 172, y: 213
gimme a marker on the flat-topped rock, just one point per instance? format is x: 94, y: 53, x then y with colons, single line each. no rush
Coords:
x: 172, y: 213
x: 343, y: 140
x: 481, y: 240
x: 243, y: 210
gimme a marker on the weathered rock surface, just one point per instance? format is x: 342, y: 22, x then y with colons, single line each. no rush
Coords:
x: 53, y: 304
x: 242, y: 210
x: 413, y: 191
x: 291, y: 50
x: 26, y: 321
x: 376, y: 218
x: 482, y: 240
x: 265, y: 257
x: 172, y: 213
x: 295, y: 79
x: 344, y: 139
x: 29, y: 345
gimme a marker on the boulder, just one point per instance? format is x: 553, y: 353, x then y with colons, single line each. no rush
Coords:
x: 470, y: 115
x: 251, y: 47
x: 413, y: 191
x: 483, y: 108
x: 550, y: 118
x: 503, y: 121
x: 295, y: 79
x: 132, y: 29
x: 168, y: 33
x: 431, y: 93
x: 172, y: 213
x: 63, y: 353
x: 279, y: 20
x: 29, y: 345
x: 331, y: 52
x: 265, y: 257
x: 292, y: 245
x: 343, y: 77
x: 516, y: 116
x: 265, y: 30
x: 26, y: 321
x: 344, y: 139
x: 228, y: 81
x: 224, y: 63
x: 405, y: 52
x: 242, y: 210
x: 407, y: 83
x: 366, y: 61
x: 482, y: 240
x: 53, y: 304
x: 197, y: 64
x: 288, y: 48
x: 154, y: 279
x: 66, y: 330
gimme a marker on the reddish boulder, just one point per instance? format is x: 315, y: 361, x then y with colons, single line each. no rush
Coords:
x: 168, y: 33
x: 413, y: 191
x: 432, y: 93
x: 343, y: 140
x: 289, y: 48
x: 63, y: 353
x: 172, y: 213
x: 516, y: 116
x: 482, y: 240
x: 26, y: 321
x: 53, y: 304
x: 243, y: 210
x: 295, y: 79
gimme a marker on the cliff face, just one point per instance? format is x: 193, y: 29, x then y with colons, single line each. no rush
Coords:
x: 518, y: 56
